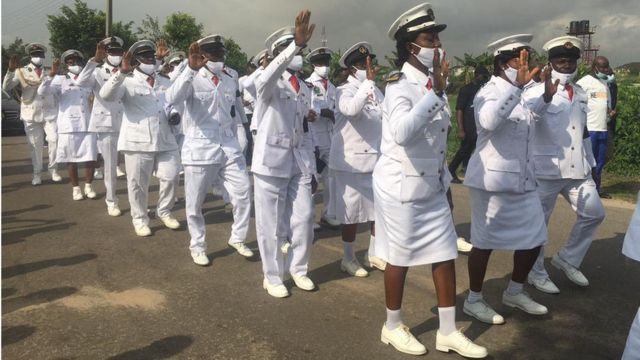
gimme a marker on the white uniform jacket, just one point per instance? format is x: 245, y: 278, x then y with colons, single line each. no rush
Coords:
x: 322, y: 128
x: 355, y: 143
x: 33, y: 107
x: 208, y: 122
x: 249, y: 86
x: 106, y: 116
x: 145, y: 127
x: 415, y: 122
x: 282, y: 145
x: 503, y: 160
x: 559, y: 148
x: 246, y: 96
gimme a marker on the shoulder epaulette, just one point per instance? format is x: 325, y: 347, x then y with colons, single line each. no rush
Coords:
x: 309, y: 85
x: 393, y: 76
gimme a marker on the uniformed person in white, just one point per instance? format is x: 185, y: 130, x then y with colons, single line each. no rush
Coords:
x: 211, y: 149
x: 76, y: 145
x: 261, y: 60
x: 323, y: 99
x: 283, y: 165
x: 563, y: 160
x: 631, y: 249
x: 355, y: 145
x: 502, y: 181
x: 413, y: 220
x: 145, y: 136
x: 38, y: 112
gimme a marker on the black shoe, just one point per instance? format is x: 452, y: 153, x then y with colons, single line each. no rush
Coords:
x: 455, y: 180
x: 604, y: 195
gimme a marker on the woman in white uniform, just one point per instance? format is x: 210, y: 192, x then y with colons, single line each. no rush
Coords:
x: 631, y: 248
x: 76, y: 145
x: 410, y: 180
x: 354, y: 151
x: 501, y: 179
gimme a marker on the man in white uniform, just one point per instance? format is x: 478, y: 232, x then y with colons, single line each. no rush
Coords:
x: 38, y: 112
x: 211, y: 149
x: 283, y: 163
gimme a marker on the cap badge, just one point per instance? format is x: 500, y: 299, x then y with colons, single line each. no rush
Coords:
x: 363, y: 50
x: 568, y: 45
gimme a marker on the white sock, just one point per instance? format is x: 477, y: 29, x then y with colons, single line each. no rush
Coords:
x: 474, y: 297
x: 394, y: 319
x: 349, y: 254
x: 447, y: 317
x: 514, y: 288
x: 372, y: 246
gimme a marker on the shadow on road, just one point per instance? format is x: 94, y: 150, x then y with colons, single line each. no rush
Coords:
x: 14, y: 237
x: 14, y: 334
x: 20, y: 269
x: 159, y: 349
x: 36, y: 298
x: 25, y: 210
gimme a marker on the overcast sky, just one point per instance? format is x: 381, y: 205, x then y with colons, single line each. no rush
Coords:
x: 471, y: 23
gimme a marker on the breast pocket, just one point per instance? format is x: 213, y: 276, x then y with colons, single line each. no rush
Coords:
x: 141, y: 91
x: 545, y: 159
x: 203, y: 144
x: 138, y: 132
x: 103, y: 119
x: 276, y: 151
x: 420, y: 179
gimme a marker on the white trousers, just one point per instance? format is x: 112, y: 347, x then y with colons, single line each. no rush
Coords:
x: 108, y: 148
x: 241, y: 135
x: 632, y: 349
x: 139, y: 167
x: 283, y: 211
x: 198, y: 180
x: 36, y: 132
x: 328, y: 186
x: 585, y: 201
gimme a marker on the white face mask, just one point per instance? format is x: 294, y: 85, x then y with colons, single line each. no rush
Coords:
x: 360, y: 75
x: 322, y: 71
x: 601, y: 76
x: 114, y: 60
x: 611, y: 78
x: 37, y: 61
x: 75, y: 69
x: 426, y: 55
x: 148, y: 69
x: 564, y: 78
x: 296, y: 63
x: 512, y: 74
x: 215, y: 66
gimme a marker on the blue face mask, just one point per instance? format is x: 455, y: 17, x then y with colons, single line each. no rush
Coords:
x: 601, y: 76
x: 611, y: 79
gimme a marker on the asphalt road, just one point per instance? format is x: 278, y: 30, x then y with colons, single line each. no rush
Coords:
x: 78, y: 284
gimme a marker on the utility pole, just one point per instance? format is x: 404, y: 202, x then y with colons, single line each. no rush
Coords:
x: 109, y: 18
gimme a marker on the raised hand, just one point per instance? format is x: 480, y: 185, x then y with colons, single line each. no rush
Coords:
x: 524, y: 73
x: 13, y: 63
x: 55, y: 67
x: 303, y: 30
x: 371, y: 70
x: 440, y: 71
x: 550, y: 87
x: 125, y: 65
x: 196, y: 60
x: 161, y: 49
x: 101, y: 52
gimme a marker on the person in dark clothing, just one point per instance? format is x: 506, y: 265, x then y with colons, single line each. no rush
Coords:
x: 466, y: 120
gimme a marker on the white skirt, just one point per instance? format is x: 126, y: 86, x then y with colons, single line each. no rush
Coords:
x: 77, y: 147
x: 413, y: 233
x: 506, y: 221
x: 353, y: 197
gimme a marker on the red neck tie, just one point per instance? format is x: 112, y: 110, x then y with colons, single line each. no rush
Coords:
x: 39, y: 71
x: 114, y: 70
x: 569, y: 89
x: 151, y: 81
x: 215, y: 80
x: 429, y: 84
x: 294, y: 82
x: 75, y: 77
x: 325, y: 83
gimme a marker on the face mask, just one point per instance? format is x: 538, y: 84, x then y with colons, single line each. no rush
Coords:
x: 114, y: 59
x: 322, y: 71
x: 511, y: 73
x: 601, y: 76
x: 425, y: 55
x: 37, y: 61
x: 148, y: 69
x: 215, y: 66
x: 564, y: 78
x: 361, y: 75
x: 296, y: 63
x: 75, y: 69
x: 611, y: 78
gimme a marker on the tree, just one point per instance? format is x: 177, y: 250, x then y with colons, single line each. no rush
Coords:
x: 236, y: 58
x: 181, y: 30
x: 15, y: 48
x: 150, y: 29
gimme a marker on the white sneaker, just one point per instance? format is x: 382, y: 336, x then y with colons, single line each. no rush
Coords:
x: 143, y: 230
x: 483, y: 312
x: 88, y: 191
x: 545, y: 285
x: 524, y: 302
x: 461, y: 344
x: 77, y: 193
x: 200, y: 258
x: 303, y: 282
x: 119, y: 172
x: 353, y: 268
x: 374, y: 262
x: 170, y: 222
x: 98, y: 174
x: 242, y: 249
x: 463, y: 245
x: 37, y: 180
x: 316, y: 227
x: 402, y: 339
x: 114, y: 210
x: 278, y: 291
x: 285, y: 247
x: 55, y: 177
x: 329, y: 222
x: 575, y: 275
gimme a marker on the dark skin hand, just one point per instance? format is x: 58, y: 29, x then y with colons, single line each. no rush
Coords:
x: 125, y: 66
x: 101, y: 53
x: 162, y: 50
x: 13, y: 63
x: 550, y: 87
x: 196, y: 59
x: 304, y: 30
x: 55, y: 67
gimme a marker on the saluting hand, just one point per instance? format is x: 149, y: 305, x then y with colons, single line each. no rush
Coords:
x: 303, y: 30
x: 371, y: 70
x: 101, y: 52
x: 55, y: 67
x: 196, y: 59
x: 311, y: 116
x: 161, y: 49
x: 440, y: 71
x: 524, y: 74
x: 13, y: 63
x: 125, y: 65
x: 550, y: 87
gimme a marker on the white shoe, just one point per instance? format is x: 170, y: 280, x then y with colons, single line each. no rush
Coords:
x: 142, y: 230
x: 303, y: 282
x: 374, y: 262
x: 524, y: 302
x: 575, y: 275
x: 55, y: 177
x: 278, y: 291
x: 353, y: 268
x: 170, y: 222
x: 545, y: 285
x: 329, y: 222
x: 37, y: 180
x: 402, y: 339
x: 242, y: 249
x: 285, y: 247
x: 461, y: 344
x: 88, y: 191
x: 98, y: 174
x: 483, y: 312
x: 114, y: 210
x: 119, y: 172
x: 200, y: 258
x: 463, y: 245
x: 77, y: 193
x: 316, y: 227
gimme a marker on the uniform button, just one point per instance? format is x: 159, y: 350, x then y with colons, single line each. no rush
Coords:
x: 572, y: 148
x: 366, y: 150
x: 573, y: 127
x: 441, y: 152
x: 422, y: 173
x: 443, y: 129
x: 526, y: 179
x: 502, y: 108
x: 572, y: 166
